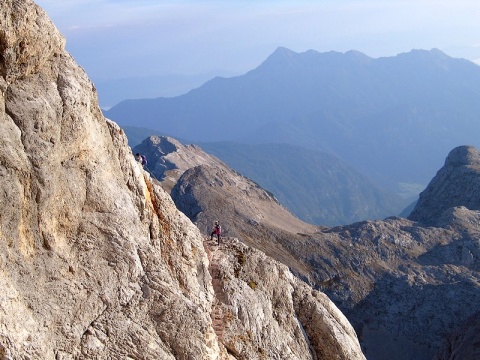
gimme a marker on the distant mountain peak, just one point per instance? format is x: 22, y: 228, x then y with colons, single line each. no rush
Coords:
x: 358, y: 56
x: 426, y: 54
x: 165, y: 144
x: 283, y: 56
x: 437, y: 51
x: 283, y: 51
x: 280, y: 56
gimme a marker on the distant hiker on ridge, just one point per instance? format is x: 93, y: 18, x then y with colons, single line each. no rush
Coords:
x: 217, y: 230
x: 141, y: 159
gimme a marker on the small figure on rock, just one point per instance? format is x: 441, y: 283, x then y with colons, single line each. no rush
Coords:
x: 217, y: 230
x: 141, y: 159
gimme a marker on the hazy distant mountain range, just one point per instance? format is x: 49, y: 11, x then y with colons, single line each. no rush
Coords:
x: 316, y: 186
x: 394, y: 119
x: 112, y: 91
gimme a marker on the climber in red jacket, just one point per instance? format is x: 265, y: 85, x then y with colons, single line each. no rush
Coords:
x: 217, y: 230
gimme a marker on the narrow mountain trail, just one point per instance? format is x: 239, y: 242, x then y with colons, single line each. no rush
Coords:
x: 215, y: 253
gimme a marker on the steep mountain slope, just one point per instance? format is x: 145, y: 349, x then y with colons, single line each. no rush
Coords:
x: 168, y: 158
x: 266, y: 329
x: 96, y: 262
x: 317, y: 187
x: 463, y: 343
x: 205, y: 189
x: 136, y: 135
x: 391, y: 118
x: 403, y: 285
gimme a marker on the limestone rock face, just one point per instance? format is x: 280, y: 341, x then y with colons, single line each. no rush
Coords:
x: 96, y: 262
x: 263, y: 311
x: 88, y: 246
x: 28, y: 40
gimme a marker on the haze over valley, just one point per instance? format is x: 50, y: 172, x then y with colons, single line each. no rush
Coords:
x: 391, y: 119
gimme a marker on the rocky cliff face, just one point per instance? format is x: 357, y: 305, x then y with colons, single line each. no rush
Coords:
x: 88, y: 246
x: 95, y: 260
x: 263, y: 311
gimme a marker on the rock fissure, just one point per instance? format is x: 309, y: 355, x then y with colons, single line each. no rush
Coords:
x: 91, y: 324
x: 11, y: 115
x: 313, y: 355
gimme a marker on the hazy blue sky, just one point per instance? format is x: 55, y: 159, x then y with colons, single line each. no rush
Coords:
x: 122, y: 38
x: 198, y: 36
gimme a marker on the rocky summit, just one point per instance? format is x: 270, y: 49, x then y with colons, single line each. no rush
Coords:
x: 456, y: 184
x: 408, y: 286
x: 96, y: 262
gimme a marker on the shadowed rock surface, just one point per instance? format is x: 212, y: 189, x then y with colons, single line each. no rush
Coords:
x: 96, y: 262
x: 464, y: 342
